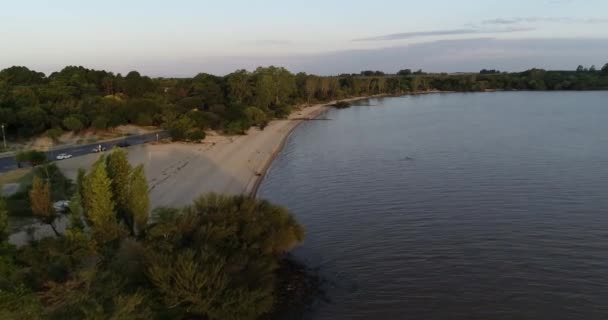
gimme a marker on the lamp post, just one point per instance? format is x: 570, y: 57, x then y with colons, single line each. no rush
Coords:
x: 3, y: 137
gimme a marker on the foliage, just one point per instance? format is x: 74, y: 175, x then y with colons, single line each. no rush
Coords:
x: 215, y: 259
x: 119, y: 172
x: 40, y: 198
x: 226, y: 268
x: 138, y: 200
x: 72, y: 123
x: 77, y: 98
x: 98, y: 204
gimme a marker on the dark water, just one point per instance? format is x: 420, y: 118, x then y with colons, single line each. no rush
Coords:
x: 454, y: 206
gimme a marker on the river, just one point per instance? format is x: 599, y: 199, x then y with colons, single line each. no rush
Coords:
x: 454, y: 206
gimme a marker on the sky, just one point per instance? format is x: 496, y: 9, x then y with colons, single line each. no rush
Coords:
x: 181, y: 38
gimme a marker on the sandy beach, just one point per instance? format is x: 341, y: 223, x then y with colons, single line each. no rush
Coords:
x: 178, y: 172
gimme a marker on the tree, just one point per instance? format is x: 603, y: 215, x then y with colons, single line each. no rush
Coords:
x: 592, y: 69
x: 98, y: 204
x: 178, y: 129
x: 405, y: 72
x: 239, y: 87
x: 605, y: 70
x: 3, y: 220
x: 72, y: 123
x: 580, y: 68
x: 100, y: 123
x: 225, y: 269
x: 256, y: 116
x: 42, y: 204
x: 139, y: 202
x: 119, y: 173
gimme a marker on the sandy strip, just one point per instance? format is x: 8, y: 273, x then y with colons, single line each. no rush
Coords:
x: 178, y: 173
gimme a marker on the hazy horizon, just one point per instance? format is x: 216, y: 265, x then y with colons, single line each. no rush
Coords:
x: 181, y: 39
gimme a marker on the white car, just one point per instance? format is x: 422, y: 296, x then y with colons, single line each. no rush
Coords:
x: 61, y: 206
x: 63, y: 156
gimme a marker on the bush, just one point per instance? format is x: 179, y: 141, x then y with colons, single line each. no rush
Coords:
x: 236, y: 127
x: 143, y: 119
x: 54, y: 133
x: 256, y: 116
x: 178, y: 129
x: 100, y: 123
x: 72, y: 123
x: 196, y: 135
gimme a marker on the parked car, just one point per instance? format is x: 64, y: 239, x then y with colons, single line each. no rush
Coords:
x: 61, y: 206
x: 63, y: 156
x: 99, y: 148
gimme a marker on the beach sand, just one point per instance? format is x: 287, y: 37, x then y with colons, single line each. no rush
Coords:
x: 178, y: 172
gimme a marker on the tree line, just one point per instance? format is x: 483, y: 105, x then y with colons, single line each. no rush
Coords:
x: 215, y: 259
x: 77, y: 98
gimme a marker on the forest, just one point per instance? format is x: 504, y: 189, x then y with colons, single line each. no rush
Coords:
x: 77, y: 98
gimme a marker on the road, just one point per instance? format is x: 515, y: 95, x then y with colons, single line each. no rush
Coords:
x: 8, y: 163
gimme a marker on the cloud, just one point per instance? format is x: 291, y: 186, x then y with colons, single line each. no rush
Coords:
x: 518, y: 20
x: 468, y: 31
x: 457, y: 55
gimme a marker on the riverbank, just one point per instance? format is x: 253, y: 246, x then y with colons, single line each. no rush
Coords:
x: 178, y: 173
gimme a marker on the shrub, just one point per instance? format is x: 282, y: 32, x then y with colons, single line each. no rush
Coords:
x: 196, y: 135
x: 72, y: 123
x: 100, y: 123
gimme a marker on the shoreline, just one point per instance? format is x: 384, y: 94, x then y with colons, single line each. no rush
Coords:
x: 178, y: 173
x: 322, y: 109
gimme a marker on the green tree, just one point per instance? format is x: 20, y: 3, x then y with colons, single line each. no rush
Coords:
x: 100, y: 123
x: 72, y: 123
x: 225, y: 270
x: 239, y: 87
x: 138, y: 200
x: 98, y: 204
x: 604, y: 70
x: 119, y: 172
x: 42, y: 204
x: 256, y: 116
x: 178, y: 129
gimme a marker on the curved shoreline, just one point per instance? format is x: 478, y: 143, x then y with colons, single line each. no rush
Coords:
x: 323, y: 108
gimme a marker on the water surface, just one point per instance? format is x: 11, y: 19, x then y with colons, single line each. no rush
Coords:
x: 454, y: 206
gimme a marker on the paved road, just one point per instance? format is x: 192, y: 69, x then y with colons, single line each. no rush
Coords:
x: 8, y: 163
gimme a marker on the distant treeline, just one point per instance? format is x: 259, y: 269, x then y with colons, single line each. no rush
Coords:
x: 77, y: 98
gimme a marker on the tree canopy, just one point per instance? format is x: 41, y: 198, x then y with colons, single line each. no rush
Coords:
x: 77, y: 98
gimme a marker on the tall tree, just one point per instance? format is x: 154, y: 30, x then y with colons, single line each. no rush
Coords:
x: 98, y: 204
x: 605, y: 70
x: 139, y: 201
x: 119, y: 172
x: 42, y: 205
